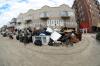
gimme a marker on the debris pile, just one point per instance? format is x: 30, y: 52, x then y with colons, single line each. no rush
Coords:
x: 45, y: 36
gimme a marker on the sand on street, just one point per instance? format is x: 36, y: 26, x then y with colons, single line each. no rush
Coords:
x: 85, y: 53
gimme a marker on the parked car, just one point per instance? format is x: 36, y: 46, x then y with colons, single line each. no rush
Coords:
x: 98, y: 36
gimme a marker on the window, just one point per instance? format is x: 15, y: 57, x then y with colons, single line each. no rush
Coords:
x: 55, y: 22
x: 71, y: 13
x: 44, y: 14
x: 64, y: 13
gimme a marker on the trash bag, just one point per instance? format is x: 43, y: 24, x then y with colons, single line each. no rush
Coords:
x: 11, y: 37
x: 30, y: 38
x: 50, y: 42
x: 4, y: 35
x: 38, y: 42
x: 17, y: 37
x: 25, y: 39
x: 21, y: 38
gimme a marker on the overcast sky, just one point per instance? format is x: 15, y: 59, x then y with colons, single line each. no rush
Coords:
x: 12, y: 8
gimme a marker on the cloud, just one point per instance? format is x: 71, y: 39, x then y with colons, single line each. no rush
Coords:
x: 12, y: 8
x: 23, y: 1
x: 1, y: 1
x: 4, y: 8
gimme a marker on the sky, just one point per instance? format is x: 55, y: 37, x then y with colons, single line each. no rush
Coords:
x: 12, y: 8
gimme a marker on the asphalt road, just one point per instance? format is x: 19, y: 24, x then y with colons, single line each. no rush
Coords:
x: 14, y: 53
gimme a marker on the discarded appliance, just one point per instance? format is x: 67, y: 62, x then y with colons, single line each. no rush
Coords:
x: 44, y: 39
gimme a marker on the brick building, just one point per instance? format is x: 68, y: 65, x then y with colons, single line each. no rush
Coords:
x: 87, y: 14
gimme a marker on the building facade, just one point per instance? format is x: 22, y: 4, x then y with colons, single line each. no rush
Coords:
x: 11, y: 26
x: 54, y: 17
x: 87, y: 14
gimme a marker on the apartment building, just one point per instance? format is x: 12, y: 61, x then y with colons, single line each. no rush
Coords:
x: 87, y: 14
x: 54, y: 17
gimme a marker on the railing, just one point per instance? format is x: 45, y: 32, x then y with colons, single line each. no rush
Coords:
x: 65, y: 14
x: 44, y: 15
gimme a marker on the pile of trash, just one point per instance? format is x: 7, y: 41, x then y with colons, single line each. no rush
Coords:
x: 7, y: 34
x: 47, y: 36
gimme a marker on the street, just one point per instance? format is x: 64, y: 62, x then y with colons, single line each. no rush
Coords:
x: 85, y: 53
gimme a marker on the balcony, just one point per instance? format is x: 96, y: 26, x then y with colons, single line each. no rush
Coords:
x: 65, y: 15
x: 44, y: 16
x: 18, y: 23
x: 28, y: 21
